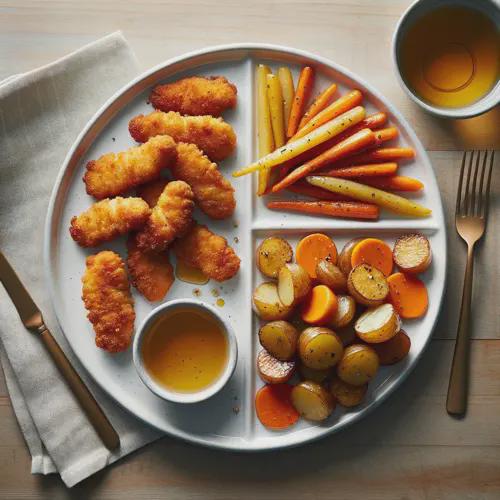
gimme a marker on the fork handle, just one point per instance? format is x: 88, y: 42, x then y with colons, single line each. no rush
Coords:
x: 456, y: 403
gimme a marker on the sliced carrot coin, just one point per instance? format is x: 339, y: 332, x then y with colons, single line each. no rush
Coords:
x: 313, y: 248
x: 408, y: 295
x: 374, y: 252
x: 320, y: 306
x: 273, y: 405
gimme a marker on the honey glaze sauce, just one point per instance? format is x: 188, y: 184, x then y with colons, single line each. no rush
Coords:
x: 185, y: 350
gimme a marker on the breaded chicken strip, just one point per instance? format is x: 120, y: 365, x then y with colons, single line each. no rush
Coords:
x: 151, y: 273
x: 116, y: 173
x: 213, y: 193
x: 170, y: 218
x: 195, y: 96
x: 151, y: 191
x: 209, y: 252
x: 106, y: 295
x: 108, y: 219
x: 212, y: 135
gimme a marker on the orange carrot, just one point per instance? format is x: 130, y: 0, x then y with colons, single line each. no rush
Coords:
x: 319, y: 104
x: 313, y: 248
x: 386, y: 134
x: 274, y: 408
x: 304, y: 88
x: 408, y: 295
x: 372, y: 121
x: 360, y: 140
x: 394, y: 183
x: 384, y: 154
x: 374, y: 252
x: 345, y: 209
x: 306, y: 189
x: 370, y: 170
x: 336, y: 108
x: 320, y: 305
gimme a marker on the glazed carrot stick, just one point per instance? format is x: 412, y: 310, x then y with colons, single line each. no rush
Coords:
x: 374, y: 252
x: 384, y: 154
x: 360, y: 140
x: 386, y: 134
x: 287, y: 90
x: 336, y: 108
x: 304, y: 88
x: 344, y: 209
x: 408, y: 295
x: 370, y: 170
x: 319, y: 104
x: 274, y: 408
x: 372, y: 121
x: 394, y: 183
x: 315, y: 192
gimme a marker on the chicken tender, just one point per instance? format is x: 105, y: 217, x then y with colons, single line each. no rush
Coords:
x: 116, y: 173
x: 208, y: 252
x: 212, y: 135
x: 213, y: 193
x: 195, y: 96
x: 151, y: 191
x: 151, y: 273
x: 106, y: 295
x: 108, y: 219
x: 170, y: 218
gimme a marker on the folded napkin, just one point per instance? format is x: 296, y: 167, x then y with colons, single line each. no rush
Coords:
x: 41, y: 114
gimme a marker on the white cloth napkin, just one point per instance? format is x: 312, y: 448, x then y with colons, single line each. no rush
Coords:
x: 41, y: 113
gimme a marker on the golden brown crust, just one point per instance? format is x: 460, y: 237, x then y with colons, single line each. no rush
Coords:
x: 106, y: 295
x: 116, y: 173
x: 170, y: 218
x: 108, y: 219
x: 195, y: 95
x: 151, y: 273
x: 212, y: 135
x: 213, y: 193
x: 208, y: 252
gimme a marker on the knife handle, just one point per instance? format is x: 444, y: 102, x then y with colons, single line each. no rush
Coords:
x: 89, y: 405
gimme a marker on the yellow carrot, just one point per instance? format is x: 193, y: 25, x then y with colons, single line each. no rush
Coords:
x: 287, y: 90
x: 275, y: 99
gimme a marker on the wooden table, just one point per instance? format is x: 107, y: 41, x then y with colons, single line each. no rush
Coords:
x: 409, y: 447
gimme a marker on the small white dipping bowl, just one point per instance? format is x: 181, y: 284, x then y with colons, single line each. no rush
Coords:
x: 491, y: 8
x: 184, y: 397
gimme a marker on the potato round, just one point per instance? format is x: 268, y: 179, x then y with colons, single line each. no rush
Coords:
x: 367, y: 285
x: 346, y: 310
x: 347, y: 395
x: 317, y: 376
x: 378, y: 324
x: 312, y: 401
x: 279, y: 338
x: 272, y: 370
x: 268, y: 304
x: 394, y: 350
x: 320, y: 348
x: 330, y: 275
x: 272, y: 254
x: 412, y: 253
x: 344, y: 259
x: 293, y: 284
x: 358, y: 365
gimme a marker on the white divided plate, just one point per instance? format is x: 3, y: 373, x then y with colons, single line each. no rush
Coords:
x: 228, y: 420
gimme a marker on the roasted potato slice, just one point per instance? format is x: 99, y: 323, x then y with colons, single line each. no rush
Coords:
x: 272, y: 370
x: 279, y: 338
x: 344, y: 259
x: 358, y: 365
x: 378, y: 324
x: 346, y: 309
x: 317, y: 376
x: 394, y: 350
x: 347, y: 395
x: 367, y: 285
x: 312, y: 401
x: 320, y: 348
x: 330, y: 275
x: 272, y: 254
x: 268, y: 304
x: 293, y: 284
x: 412, y: 253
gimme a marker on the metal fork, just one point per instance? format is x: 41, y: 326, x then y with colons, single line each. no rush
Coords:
x: 471, y: 214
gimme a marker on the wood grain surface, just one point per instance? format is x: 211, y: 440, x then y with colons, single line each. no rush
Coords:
x: 407, y: 448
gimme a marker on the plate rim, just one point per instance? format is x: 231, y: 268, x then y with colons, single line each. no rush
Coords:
x: 233, y: 442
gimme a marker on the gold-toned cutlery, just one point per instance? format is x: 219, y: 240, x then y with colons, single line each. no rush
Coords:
x: 471, y: 214
x: 32, y: 319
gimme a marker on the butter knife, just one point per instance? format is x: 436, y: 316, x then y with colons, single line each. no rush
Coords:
x: 32, y: 319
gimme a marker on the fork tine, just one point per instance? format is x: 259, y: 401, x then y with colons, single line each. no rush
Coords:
x: 465, y: 207
x: 472, y: 207
x: 480, y: 194
x: 460, y: 182
x: 488, y: 185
